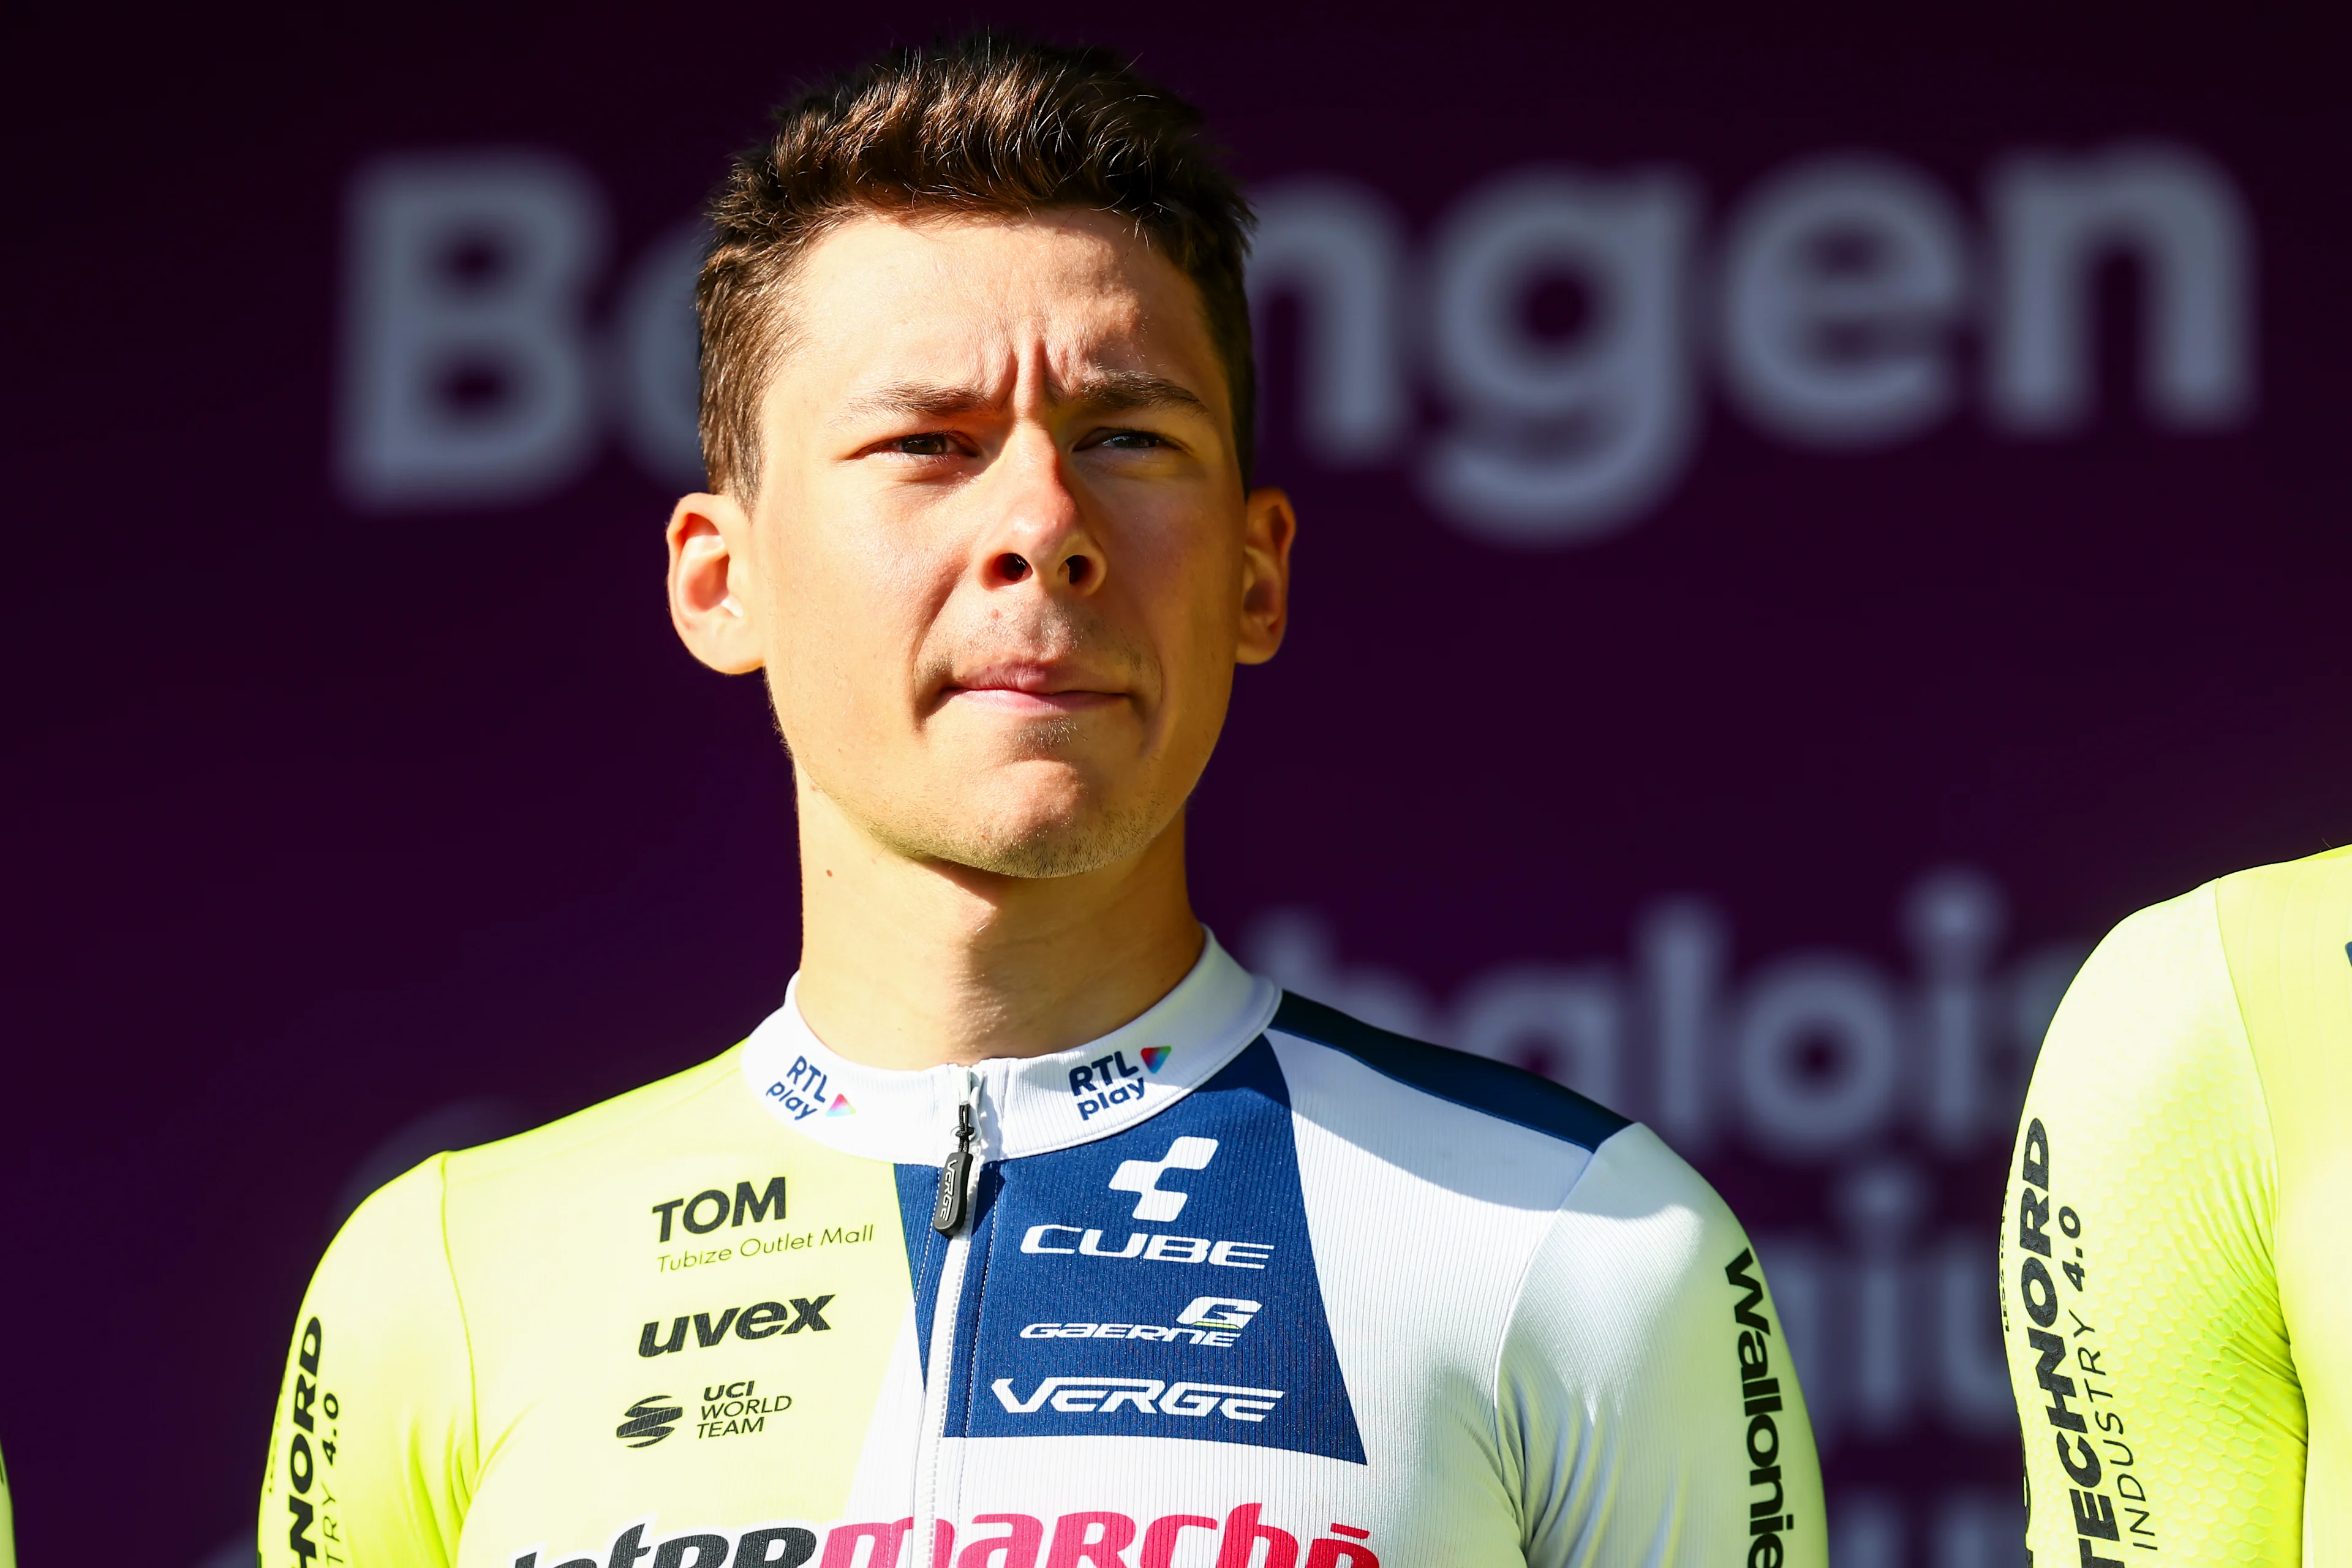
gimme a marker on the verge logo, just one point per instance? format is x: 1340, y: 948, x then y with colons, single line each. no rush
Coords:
x: 648, y: 1421
x: 760, y: 1320
x: 1144, y: 1395
x: 1141, y: 1177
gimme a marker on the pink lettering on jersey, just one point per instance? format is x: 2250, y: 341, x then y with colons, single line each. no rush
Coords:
x: 1242, y: 1532
x: 1015, y: 1550
x: 1092, y: 1539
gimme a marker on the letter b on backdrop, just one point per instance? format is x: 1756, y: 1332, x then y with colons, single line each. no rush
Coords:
x: 466, y: 375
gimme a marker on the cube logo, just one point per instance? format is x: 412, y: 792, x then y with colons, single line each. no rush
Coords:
x: 1141, y: 1177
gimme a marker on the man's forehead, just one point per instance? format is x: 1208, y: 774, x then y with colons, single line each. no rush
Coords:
x: 978, y: 251
x: 881, y: 304
x: 1104, y: 389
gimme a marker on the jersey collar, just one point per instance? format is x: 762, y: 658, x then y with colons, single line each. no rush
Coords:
x: 1028, y: 1105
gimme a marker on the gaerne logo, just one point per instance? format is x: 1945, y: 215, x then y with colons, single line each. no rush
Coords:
x: 1101, y: 1084
x: 1208, y: 1321
x: 760, y: 1320
x: 1141, y: 1177
x: 1219, y: 1313
x: 648, y: 1421
x: 706, y: 1210
x: 1144, y: 1395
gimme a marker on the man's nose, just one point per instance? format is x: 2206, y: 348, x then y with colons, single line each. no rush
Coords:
x: 1039, y: 533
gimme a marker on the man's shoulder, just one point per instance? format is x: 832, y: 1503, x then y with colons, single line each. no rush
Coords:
x: 1483, y: 1087
x: 1512, y: 1166
x: 2252, y: 955
x: 2265, y: 909
x: 641, y: 1123
x: 2287, y: 931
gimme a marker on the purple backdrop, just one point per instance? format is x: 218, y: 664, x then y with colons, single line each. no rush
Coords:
x: 1802, y: 529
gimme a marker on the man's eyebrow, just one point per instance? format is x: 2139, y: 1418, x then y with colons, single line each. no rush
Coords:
x: 1118, y: 391
x: 1105, y: 391
x: 920, y: 399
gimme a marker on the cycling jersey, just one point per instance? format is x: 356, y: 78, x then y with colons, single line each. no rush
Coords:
x: 2174, y: 1272
x: 1242, y: 1283
x: 7, y: 1526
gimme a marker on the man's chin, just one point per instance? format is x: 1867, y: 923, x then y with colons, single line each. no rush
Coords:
x: 1054, y: 847
x: 1061, y: 840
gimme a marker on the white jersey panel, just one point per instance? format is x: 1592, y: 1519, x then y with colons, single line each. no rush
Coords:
x: 1425, y: 1216
x: 1647, y: 1398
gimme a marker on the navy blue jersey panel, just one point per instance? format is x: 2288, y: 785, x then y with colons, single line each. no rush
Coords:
x: 1156, y: 1283
x: 926, y: 1252
x: 1494, y: 1088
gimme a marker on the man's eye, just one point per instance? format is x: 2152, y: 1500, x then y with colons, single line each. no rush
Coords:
x: 1131, y: 440
x: 930, y: 444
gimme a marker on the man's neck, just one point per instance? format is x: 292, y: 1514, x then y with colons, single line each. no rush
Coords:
x: 909, y: 965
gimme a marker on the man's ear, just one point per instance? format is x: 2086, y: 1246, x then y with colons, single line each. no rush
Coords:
x: 1268, y: 527
x: 709, y: 578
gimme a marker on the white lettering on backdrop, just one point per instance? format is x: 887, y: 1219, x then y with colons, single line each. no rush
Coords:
x: 1833, y: 306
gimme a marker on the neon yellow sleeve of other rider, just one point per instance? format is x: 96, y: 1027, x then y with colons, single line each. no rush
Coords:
x: 372, y: 1452
x: 2147, y: 1339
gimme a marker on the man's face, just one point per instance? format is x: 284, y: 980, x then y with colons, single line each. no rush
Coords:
x: 1000, y: 566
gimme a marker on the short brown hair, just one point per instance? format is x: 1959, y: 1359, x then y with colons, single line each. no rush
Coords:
x: 990, y: 123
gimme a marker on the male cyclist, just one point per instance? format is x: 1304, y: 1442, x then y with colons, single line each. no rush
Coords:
x: 2174, y: 1272
x: 1031, y: 1229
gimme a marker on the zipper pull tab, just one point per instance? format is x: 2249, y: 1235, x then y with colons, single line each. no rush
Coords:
x: 955, y: 1176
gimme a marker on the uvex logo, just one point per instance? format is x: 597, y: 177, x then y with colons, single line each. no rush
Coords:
x: 760, y: 1320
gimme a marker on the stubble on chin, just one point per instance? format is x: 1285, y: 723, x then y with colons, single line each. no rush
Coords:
x: 1004, y: 841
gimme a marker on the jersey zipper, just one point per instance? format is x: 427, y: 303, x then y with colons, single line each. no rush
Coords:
x: 950, y: 1212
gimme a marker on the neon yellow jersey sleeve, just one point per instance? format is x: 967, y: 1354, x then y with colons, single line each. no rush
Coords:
x: 472, y: 1367
x: 373, y: 1456
x: 7, y: 1522
x: 2172, y: 1302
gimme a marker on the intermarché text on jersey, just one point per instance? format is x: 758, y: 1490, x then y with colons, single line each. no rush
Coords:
x: 761, y: 1246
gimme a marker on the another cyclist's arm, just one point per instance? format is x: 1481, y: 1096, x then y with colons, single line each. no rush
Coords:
x: 7, y: 1528
x: 1649, y: 1401
x: 371, y: 1455
x: 2139, y: 1300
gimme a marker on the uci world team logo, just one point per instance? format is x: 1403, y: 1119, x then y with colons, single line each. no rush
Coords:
x: 1099, y: 1085
x: 648, y: 1421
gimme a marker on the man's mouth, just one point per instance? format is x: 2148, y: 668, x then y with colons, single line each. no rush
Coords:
x: 1032, y: 688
